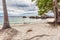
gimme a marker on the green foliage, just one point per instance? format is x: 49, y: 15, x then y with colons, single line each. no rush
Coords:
x: 44, y: 6
x: 58, y: 0
x: 32, y: 0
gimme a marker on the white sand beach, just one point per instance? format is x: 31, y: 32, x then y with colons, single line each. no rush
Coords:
x: 39, y: 30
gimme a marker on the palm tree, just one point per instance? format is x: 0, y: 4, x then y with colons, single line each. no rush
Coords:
x: 55, y: 9
x: 6, y: 21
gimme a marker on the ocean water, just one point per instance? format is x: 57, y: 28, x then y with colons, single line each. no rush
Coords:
x: 16, y: 20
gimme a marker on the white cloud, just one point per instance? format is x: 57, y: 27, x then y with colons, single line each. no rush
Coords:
x: 9, y: 2
x: 15, y: 10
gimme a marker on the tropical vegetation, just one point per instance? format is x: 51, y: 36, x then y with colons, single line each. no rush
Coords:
x: 44, y: 6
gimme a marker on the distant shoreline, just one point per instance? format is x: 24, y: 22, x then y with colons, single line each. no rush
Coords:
x: 33, y: 17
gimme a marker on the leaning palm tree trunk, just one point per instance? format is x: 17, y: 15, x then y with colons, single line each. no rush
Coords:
x: 55, y: 9
x: 6, y: 21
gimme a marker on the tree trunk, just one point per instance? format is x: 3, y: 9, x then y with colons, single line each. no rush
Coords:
x: 55, y: 9
x: 6, y: 21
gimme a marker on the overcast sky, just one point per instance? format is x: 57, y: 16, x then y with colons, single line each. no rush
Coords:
x: 16, y: 7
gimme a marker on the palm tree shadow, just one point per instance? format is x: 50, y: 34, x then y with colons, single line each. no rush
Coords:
x: 10, y: 33
x: 40, y: 36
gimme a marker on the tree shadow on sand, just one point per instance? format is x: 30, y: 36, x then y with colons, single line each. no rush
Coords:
x: 40, y: 36
x: 8, y: 34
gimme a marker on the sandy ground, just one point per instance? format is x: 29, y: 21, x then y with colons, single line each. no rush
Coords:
x: 40, y: 30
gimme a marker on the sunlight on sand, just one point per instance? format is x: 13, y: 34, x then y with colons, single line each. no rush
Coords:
x: 35, y: 31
